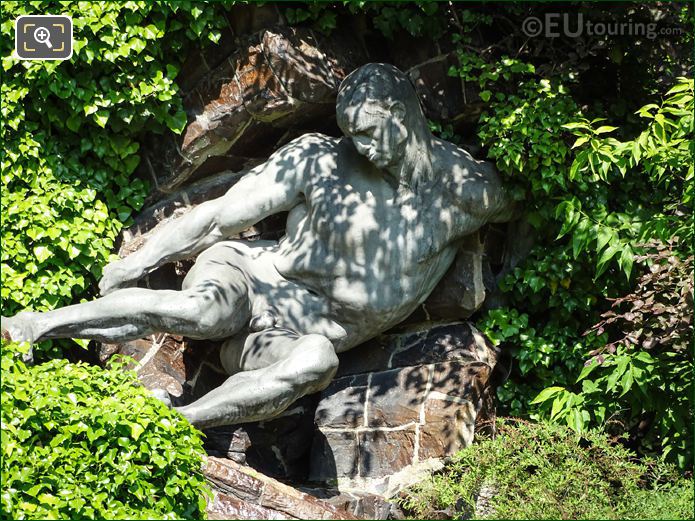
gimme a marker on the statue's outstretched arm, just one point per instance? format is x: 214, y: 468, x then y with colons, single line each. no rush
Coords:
x: 270, y: 188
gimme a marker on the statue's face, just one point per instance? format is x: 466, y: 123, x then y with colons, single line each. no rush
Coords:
x: 378, y: 133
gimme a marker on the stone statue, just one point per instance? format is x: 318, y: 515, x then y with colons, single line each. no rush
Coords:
x: 375, y: 219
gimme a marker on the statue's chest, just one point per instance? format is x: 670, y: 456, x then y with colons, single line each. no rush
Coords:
x: 370, y: 225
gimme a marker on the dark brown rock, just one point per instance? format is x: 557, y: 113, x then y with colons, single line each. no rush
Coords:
x: 158, y: 361
x: 395, y: 396
x: 344, y: 407
x: 367, y: 506
x: 245, y: 493
x: 334, y: 454
x: 421, y: 344
x: 223, y: 506
x: 383, y: 453
x: 447, y: 427
x: 300, y: 67
x: 225, y: 444
x: 242, y: 21
x: 274, y: 81
x: 461, y: 292
x: 278, y: 447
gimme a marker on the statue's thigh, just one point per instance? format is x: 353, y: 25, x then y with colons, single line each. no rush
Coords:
x: 219, y: 262
x: 257, y: 350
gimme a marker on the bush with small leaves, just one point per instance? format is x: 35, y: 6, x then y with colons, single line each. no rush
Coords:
x: 81, y: 442
x: 544, y: 471
x: 593, y: 203
x: 641, y: 375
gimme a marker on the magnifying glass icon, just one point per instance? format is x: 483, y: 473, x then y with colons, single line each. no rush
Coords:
x: 43, y: 35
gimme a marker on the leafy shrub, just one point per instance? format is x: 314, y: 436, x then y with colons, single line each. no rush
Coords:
x: 70, y: 137
x: 81, y: 442
x: 542, y: 471
x: 551, y: 294
x: 593, y: 204
x: 660, y: 158
x: 643, y: 378
x: 647, y: 390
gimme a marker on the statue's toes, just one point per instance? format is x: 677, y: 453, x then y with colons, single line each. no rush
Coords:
x: 18, y: 328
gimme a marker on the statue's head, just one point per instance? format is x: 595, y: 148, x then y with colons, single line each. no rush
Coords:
x: 378, y: 109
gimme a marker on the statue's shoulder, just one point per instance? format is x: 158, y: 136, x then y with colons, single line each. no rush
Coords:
x: 456, y: 164
x: 314, y: 142
x: 302, y: 152
x: 451, y: 162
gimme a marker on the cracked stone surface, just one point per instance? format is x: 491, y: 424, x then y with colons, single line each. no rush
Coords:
x: 400, y: 401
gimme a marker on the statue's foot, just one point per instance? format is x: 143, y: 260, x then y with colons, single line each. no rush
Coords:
x: 162, y: 395
x: 19, y: 327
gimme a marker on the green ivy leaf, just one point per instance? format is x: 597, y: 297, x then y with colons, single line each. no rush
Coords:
x: 547, y: 393
x: 43, y: 253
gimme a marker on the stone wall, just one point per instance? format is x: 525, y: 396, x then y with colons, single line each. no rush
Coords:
x: 398, y: 403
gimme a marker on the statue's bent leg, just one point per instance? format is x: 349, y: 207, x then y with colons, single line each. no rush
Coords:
x: 303, y: 365
x: 215, y: 307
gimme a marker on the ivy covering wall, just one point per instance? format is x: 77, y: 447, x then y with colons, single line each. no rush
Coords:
x: 80, y: 441
x: 70, y: 138
x: 598, y: 317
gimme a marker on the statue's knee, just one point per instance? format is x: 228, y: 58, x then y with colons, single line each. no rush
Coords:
x: 209, y: 321
x: 206, y: 314
x: 218, y: 313
x: 320, y: 356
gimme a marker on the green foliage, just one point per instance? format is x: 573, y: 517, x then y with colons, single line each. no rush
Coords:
x: 542, y: 471
x: 550, y: 354
x: 593, y: 204
x: 80, y: 442
x: 70, y: 138
x: 645, y: 375
x: 662, y: 154
x: 419, y: 18
x: 319, y: 14
x: 474, y: 68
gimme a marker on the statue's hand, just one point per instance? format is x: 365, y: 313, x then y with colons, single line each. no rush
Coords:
x: 117, y: 275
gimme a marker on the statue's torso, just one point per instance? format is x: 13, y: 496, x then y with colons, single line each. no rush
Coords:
x: 373, y: 254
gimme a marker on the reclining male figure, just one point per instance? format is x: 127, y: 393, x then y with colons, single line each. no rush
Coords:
x: 375, y: 219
